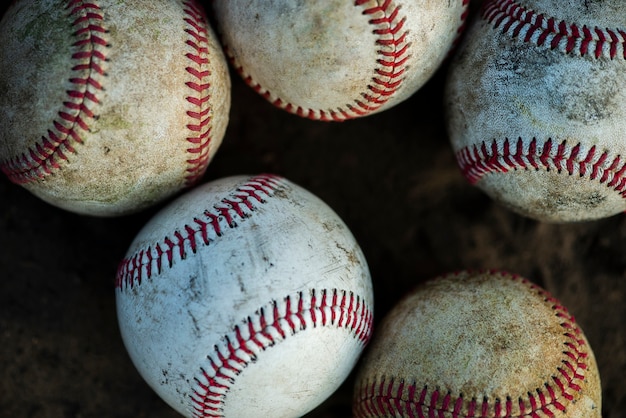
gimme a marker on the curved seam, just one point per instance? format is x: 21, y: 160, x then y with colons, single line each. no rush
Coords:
x: 201, y: 231
x: 494, y: 156
x: 268, y: 327
x: 541, y: 30
x: 460, y: 31
x: 200, y: 128
x: 45, y: 156
x: 392, y: 57
x: 380, y: 398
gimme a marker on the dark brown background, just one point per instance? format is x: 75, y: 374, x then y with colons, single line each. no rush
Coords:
x: 392, y: 177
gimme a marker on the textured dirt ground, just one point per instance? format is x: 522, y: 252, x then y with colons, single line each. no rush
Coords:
x: 392, y: 177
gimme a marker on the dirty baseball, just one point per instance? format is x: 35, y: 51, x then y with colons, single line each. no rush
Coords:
x: 536, y: 108
x: 247, y: 296
x: 478, y: 344
x: 339, y: 59
x: 108, y: 108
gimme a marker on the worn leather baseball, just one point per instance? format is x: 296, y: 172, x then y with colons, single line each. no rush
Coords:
x: 109, y: 107
x: 478, y: 344
x: 338, y: 59
x: 248, y: 296
x: 536, y: 107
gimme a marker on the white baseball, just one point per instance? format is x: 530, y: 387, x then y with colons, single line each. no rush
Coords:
x: 107, y: 108
x: 537, y: 109
x: 339, y: 59
x: 248, y: 296
x: 478, y: 344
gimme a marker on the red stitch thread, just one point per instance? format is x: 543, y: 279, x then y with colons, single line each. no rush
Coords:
x: 378, y: 398
x: 389, y: 27
x: 494, y: 156
x: 200, y: 127
x: 45, y: 157
x: 150, y: 261
x: 534, y: 27
x: 268, y: 327
x: 461, y: 29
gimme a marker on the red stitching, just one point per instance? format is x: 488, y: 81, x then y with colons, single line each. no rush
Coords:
x: 268, y: 327
x: 206, y: 228
x: 45, y: 157
x: 377, y: 398
x: 461, y: 29
x: 389, y: 26
x: 534, y: 27
x: 494, y: 156
x: 200, y: 128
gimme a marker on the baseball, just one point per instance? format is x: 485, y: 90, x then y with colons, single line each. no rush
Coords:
x: 107, y: 108
x: 478, y: 344
x: 339, y: 59
x: 536, y: 107
x: 247, y: 296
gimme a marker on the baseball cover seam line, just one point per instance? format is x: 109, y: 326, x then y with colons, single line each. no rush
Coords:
x: 494, y: 156
x: 379, y: 397
x: 269, y: 326
x: 204, y: 229
x: 392, y: 65
x: 45, y: 156
x: 460, y: 31
x: 200, y: 127
x: 537, y: 28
